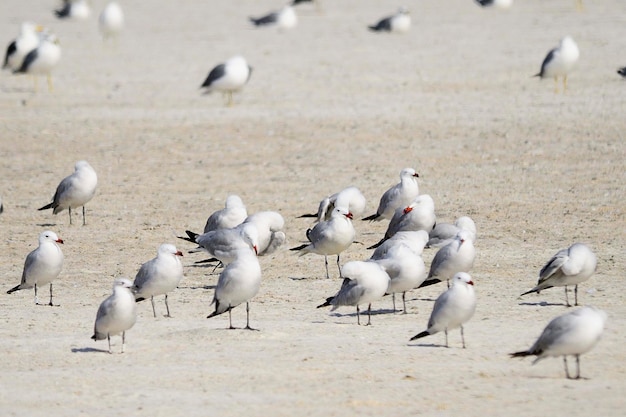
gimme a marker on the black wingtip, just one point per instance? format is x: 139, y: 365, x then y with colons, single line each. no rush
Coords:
x: 370, y: 218
x: 375, y: 245
x: 520, y: 354
x: 429, y: 282
x: 46, y: 207
x: 307, y: 215
x: 328, y: 302
x: 420, y: 335
x: 300, y: 247
x: 137, y: 300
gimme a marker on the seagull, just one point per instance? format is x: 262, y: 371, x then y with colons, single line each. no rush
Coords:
x: 572, y: 333
x: 270, y: 235
x: 43, y: 59
x: 75, y: 190
x: 74, y: 9
x: 400, y: 195
x: 414, y: 240
x: 350, y: 197
x: 498, y: 4
x: 406, y: 271
x: 453, y: 308
x: 456, y: 256
x: 398, y: 23
x: 43, y: 265
x: 569, y: 266
x: 622, y: 72
x: 228, y: 77
x: 159, y: 275
x: 224, y: 244
x: 364, y: 282
x: 116, y: 314
x: 559, y: 62
x: 239, y: 282
x: 444, y: 233
x: 232, y: 215
x: 419, y: 215
x: 330, y: 237
x: 285, y: 18
x: 111, y: 20
x: 26, y: 41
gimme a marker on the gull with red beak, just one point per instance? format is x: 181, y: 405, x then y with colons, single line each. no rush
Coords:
x: 456, y: 256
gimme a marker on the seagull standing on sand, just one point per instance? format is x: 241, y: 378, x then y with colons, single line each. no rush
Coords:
x: 224, y: 244
x: 43, y: 265
x: 75, y: 190
x: 350, y: 197
x: 559, y: 62
x: 228, y: 77
x: 43, y: 59
x: 364, y: 282
x: 111, y: 21
x: 573, y: 333
x: 456, y: 256
x: 444, y: 233
x: 453, y: 308
x: 116, y: 314
x: 330, y: 237
x: 232, y: 215
x: 569, y: 266
x: 285, y: 18
x: 398, y: 23
x: 159, y: 275
x: 26, y: 41
x: 400, y: 195
x: 239, y: 282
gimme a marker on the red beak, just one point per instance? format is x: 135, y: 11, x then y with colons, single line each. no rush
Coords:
x: 408, y: 210
x: 349, y: 215
x: 59, y: 241
x: 178, y: 253
x: 256, y: 252
x: 471, y: 282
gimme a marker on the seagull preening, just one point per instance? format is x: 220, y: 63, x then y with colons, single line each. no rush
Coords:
x: 111, y: 21
x: 285, y: 18
x: 116, y: 314
x: 398, y: 23
x: 559, y: 62
x: 228, y: 77
x: 43, y: 265
x: 238, y: 283
x: 75, y: 190
x: 573, y: 333
x: 42, y: 59
x: 350, y: 197
x: 444, y: 233
x: 74, y: 9
x: 456, y: 256
x: 330, y: 237
x: 159, y: 275
x: 453, y: 308
x: 364, y: 282
x: 569, y: 266
x: 400, y: 195
x: 26, y: 41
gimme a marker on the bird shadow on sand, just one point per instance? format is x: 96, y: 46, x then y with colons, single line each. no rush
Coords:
x: 46, y: 224
x: 542, y: 304
x: 427, y: 345
x: 199, y: 287
x: 88, y: 350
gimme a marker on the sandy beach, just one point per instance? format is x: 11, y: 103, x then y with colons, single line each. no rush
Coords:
x: 329, y: 105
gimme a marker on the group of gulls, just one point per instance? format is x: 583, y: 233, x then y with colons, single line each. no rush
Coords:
x: 236, y: 239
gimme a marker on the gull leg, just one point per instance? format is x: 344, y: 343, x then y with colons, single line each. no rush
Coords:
x: 70, y: 211
x: 36, y: 299
x: 109, y: 340
x: 369, y: 314
x: 326, y: 265
x: 577, y: 366
x: 403, y: 303
x: 338, y: 267
x: 123, y: 341
x: 83, y: 215
x: 50, y: 295
x: 462, y: 337
x: 153, y: 309
x: 393, y: 297
x: 230, y: 318
x: 565, y: 365
x: 248, y: 317
x: 576, y: 295
x: 358, y: 319
x: 567, y: 304
x: 446, y: 332
x: 167, y: 307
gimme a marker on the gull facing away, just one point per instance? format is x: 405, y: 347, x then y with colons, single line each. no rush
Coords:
x: 232, y: 215
x: 330, y: 237
x: 400, y: 195
x: 456, y: 256
x: 43, y: 59
x: 228, y: 77
x: 444, y: 233
x: 285, y: 18
x: 559, y: 62
x: 350, y: 197
x: 111, y: 21
x: 116, y: 314
x: 572, y: 333
x: 453, y: 308
x: 26, y: 41
x: 74, y: 10
x: 159, y: 275
x: 569, y: 266
x: 43, y: 265
x: 75, y: 190
x: 239, y: 282
x: 398, y: 23
x: 364, y: 282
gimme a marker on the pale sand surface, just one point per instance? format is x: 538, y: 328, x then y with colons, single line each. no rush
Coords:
x: 329, y: 105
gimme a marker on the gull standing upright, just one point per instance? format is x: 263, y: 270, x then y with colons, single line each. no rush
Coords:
x: 43, y: 59
x: 572, y: 333
x: 400, y: 195
x: 285, y: 18
x: 364, y: 282
x: 350, y: 197
x: 116, y: 314
x: 26, y: 41
x: 43, y: 265
x: 111, y: 21
x: 228, y: 77
x: 453, y: 308
x: 398, y: 23
x: 330, y: 237
x: 569, y: 266
x: 159, y: 275
x: 232, y: 215
x: 559, y: 62
x: 239, y: 282
x: 456, y: 256
x: 75, y: 190
x: 444, y: 233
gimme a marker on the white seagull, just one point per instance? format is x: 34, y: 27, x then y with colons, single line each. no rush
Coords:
x: 350, y: 197
x: 569, y: 266
x: 572, y: 333
x: 75, y: 190
x: 74, y: 9
x: 453, y: 308
x: 285, y: 18
x: 559, y: 62
x: 228, y: 77
x: 239, y: 282
x: 111, y: 20
x: 26, y: 41
x: 159, y: 275
x: 269, y: 226
x: 444, y: 233
x: 400, y: 195
x: 43, y: 59
x: 364, y: 282
x: 116, y: 314
x: 456, y: 256
x: 398, y: 23
x: 232, y: 215
x: 224, y: 244
x: 330, y: 237
x: 43, y: 265
x: 415, y: 240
